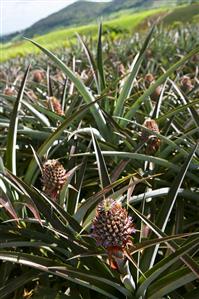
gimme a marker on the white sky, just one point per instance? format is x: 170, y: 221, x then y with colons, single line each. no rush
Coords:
x: 20, y: 14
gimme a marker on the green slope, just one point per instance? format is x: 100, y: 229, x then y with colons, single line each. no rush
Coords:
x: 84, y: 12
x: 183, y: 14
x: 126, y: 21
x: 63, y: 37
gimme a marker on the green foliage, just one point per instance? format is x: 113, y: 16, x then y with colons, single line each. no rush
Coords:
x: 183, y: 14
x: 98, y: 134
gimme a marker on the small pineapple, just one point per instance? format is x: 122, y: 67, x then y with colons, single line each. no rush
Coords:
x: 153, y: 142
x: 112, y: 228
x: 55, y: 105
x: 186, y: 84
x: 149, y: 80
x: 30, y: 93
x: 53, y: 177
x: 38, y: 76
x: 121, y: 69
x: 9, y: 91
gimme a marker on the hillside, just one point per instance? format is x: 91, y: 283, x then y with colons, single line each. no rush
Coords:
x: 64, y: 37
x: 84, y: 12
x: 122, y: 22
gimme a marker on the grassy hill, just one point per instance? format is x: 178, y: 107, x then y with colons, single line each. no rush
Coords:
x: 124, y: 22
x: 183, y: 14
x: 83, y: 12
x: 63, y: 37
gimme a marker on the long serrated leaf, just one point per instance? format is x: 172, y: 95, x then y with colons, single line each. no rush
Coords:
x: 177, y: 110
x: 12, y: 132
x: 166, y: 209
x: 82, y: 277
x: 160, y: 267
x: 152, y: 88
x: 102, y: 169
x: 142, y: 157
x: 6, y: 203
x: 149, y: 243
x: 42, y: 118
x: 171, y: 244
x: 17, y: 282
x: 100, y: 69
x: 86, y: 94
x: 170, y: 283
x: 30, y: 173
x: 16, y: 183
x: 91, y: 61
x: 128, y: 85
x: 40, y: 201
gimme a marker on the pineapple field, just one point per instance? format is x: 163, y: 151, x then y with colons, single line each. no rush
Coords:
x: 99, y: 167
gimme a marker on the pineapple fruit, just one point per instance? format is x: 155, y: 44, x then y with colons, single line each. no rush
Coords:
x: 153, y: 142
x: 112, y: 228
x: 54, y: 177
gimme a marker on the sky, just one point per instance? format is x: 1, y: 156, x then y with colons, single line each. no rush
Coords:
x: 19, y: 14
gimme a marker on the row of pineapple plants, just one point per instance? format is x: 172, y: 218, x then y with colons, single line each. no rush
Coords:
x: 99, y: 169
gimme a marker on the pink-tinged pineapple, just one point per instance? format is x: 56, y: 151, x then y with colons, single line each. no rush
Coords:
x: 149, y: 80
x: 186, y: 84
x: 112, y: 228
x: 54, y: 177
x: 56, y: 105
x: 38, y: 76
x: 153, y: 142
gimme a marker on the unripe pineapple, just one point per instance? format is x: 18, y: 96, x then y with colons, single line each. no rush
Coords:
x: 149, y: 53
x: 112, y: 227
x: 121, y: 69
x: 55, y: 105
x: 186, y: 84
x: 149, y: 79
x: 38, y: 76
x: 53, y: 177
x: 9, y: 91
x: 32, y: 95
x: 153, y: 142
